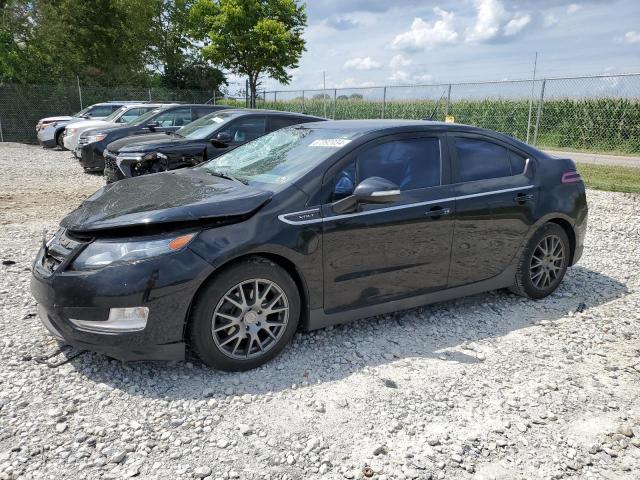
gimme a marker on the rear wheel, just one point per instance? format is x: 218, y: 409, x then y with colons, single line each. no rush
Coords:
x: 543, y: 263
x: 245, y: 315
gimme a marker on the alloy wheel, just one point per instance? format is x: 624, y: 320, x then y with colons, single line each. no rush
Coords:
x: 250, y: 318
x: 547, y: 262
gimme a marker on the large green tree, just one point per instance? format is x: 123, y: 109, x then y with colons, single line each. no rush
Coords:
x: 252, y: 37
x: 174, y: 52
x: 103, y: 42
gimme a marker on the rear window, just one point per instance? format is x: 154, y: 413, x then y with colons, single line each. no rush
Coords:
x: 481, y: 160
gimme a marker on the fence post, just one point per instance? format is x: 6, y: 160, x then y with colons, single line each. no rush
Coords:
x: 539, y: 114
x: 149, y: 93
x: 275, y: 98
x: 448, y: 105
x: 335, y: 99
x: 302, y: 101
x: 384, y: 100
x: 1, y: 135
x: 79, y: 91
x: 214, y: 95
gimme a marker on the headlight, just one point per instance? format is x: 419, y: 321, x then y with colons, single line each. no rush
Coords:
x: 70, y: 131
x: 102, y: 253
x: 95, y: 137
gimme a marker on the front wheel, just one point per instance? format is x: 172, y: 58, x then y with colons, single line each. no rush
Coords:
x: 60, y: 140
x: 544, y: 262
x: 245, y: 315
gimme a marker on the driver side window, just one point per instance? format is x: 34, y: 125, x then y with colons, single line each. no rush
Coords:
x: 410, y: 164
x: 246, y: 129
x: 175, y: 118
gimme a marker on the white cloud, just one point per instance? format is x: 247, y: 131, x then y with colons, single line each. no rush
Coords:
x: 490, y: 16
x: 516, y: 24
x: 573, y: 8
x: 493, y: 21
x: 399, y: 76
x: 361, y: 63
x: 631, y: 37
x: 399, y: 61
x: 352, y: 83
x: 550, y: 20
x: 426, y: 35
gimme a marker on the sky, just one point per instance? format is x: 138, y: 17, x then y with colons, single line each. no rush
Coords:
x: 359, y: 43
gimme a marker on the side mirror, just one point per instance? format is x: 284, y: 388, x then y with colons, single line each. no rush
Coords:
x: 370, y: 190
x: 222, y: 140
x: 153, y: 125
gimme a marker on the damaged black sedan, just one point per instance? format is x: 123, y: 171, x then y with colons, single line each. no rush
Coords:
x: 201, y: 140
x: 303, y: 228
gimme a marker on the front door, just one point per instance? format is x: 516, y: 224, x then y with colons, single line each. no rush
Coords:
x: 390, y: 251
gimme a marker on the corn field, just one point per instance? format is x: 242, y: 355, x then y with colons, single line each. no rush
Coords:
x: 596, y: 114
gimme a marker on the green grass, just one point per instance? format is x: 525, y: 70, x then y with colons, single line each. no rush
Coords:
x: 610, y: 178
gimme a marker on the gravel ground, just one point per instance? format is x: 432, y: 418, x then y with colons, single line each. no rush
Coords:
x: 491, y: 386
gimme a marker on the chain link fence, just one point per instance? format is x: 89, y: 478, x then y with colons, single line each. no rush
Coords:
x: 595, y: 113
x: 21, y: 106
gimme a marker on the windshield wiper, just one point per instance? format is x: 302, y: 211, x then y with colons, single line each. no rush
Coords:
x: 227, y: 177
x: 179, y: 135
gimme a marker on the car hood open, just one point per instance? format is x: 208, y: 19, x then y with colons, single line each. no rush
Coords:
x: 184, y: 197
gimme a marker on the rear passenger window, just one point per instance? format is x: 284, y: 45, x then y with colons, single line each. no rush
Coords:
x: 276, y: 123
x: 480, y: 160
x: 517, y: 163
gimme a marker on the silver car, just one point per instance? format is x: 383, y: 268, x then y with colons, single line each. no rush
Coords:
x: 123, y: 115
x: 51, y: 129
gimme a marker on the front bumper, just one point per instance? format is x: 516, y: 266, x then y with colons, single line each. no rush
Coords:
x: 47, y: 137
x: 112, y: 172
x: 165, y: 285
x: 91, y: 157
x: 70, y: 142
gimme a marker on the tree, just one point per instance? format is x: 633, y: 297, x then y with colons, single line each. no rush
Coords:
x: 251, y: 37
x: 173, y: 51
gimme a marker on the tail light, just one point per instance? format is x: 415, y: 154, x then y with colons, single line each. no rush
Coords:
x: 571, y: 177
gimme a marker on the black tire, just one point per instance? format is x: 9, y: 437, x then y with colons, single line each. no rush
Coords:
x: 528, y: 276
x: 200, y: 334
x: 60, y: 140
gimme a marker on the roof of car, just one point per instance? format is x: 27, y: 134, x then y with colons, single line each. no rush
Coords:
x: 368, y: 126
x: 262, y: 111
x: 373, y: 125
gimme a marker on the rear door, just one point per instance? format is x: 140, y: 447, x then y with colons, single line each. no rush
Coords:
x: 389, y: 251
x: 495, y: 202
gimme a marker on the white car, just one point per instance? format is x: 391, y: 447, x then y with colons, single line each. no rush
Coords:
x: 50, y: 129
x: 123, y: 115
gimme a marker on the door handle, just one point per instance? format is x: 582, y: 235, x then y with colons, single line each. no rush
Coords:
x: 437, y: 212
x: 523, y: 197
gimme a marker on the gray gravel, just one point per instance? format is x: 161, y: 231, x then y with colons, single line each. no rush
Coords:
x: 491, y: 386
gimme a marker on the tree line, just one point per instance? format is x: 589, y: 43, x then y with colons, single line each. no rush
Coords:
x: 172, y: 43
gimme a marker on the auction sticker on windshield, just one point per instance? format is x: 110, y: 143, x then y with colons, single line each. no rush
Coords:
x: 217, y: 119
x: 330, y: 142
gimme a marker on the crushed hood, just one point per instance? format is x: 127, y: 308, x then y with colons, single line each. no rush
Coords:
x: 123, y: 144
x: 182, y: 196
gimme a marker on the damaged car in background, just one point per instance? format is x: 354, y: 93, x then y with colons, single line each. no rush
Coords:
x: 204, y: 139
x: 164, y: 119
x: 303, y: 228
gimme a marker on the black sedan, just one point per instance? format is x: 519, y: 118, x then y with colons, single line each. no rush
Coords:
x: 303, y: 228
x: 204, y: 139
x: 165, y: 119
